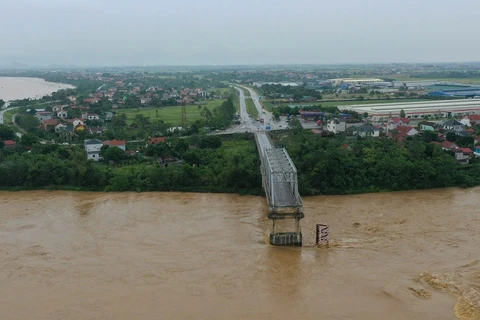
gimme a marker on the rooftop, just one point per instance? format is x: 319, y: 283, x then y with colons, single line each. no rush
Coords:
x: 92, y: 141
x: 114, y: 142
x: 156, y: 140
x: 424, y: 106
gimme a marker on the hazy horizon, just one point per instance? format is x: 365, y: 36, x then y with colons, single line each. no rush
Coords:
x: 190, y: 33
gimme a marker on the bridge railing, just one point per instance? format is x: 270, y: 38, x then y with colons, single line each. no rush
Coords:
x: 281, y: 178
x: 279, y: 175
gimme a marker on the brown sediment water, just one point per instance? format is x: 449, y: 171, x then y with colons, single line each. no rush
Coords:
x: 81, y: 255
x: 12, y: 88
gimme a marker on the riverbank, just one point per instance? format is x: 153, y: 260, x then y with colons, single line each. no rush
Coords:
x: 15, y: 88
x: 199, y: 190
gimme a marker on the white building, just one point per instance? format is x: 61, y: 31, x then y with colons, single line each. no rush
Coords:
x: 60, y: 127
x: 470, y: 120
x: 417, y: 110
x: 78, y: 121
x: 44, y: 115
x: 336, y: 125
x: 93, y: 147
x: 90, y: 116
x: 62, y: 114
x: 453, y: 125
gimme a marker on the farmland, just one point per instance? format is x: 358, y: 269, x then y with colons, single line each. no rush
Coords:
x: 171, y: 115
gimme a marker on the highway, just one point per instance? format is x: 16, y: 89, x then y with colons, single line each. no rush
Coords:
x: 244, y: 117
x: 251, y: 124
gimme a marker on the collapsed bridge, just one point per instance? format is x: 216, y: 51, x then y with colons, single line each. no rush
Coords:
x: 279, y: 179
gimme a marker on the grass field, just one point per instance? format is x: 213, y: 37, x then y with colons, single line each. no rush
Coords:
x: 7, y: 116
x: 245, y: 92
x: 172, y: 115
x: 251, y: 109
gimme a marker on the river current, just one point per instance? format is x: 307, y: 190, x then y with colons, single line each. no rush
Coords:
x: 12, y: 88
x: 81, y: 255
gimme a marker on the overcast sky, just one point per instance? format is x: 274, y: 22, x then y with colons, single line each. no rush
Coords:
x: 191, y: 32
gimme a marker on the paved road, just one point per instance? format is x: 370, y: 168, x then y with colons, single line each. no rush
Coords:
x: 265, y: 114
x: 1, y: 115
x: 243, y: 107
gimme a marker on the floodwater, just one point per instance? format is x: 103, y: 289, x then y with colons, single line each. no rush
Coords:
x: 76, y: 255
x: 12, y: 88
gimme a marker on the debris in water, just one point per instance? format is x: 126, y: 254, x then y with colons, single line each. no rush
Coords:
x: 420, y: 293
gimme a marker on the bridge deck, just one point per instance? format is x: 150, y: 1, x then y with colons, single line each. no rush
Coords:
x: 279, y: 175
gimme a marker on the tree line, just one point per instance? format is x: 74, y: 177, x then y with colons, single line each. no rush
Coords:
x: 206, y: 164
x: 343, y: 165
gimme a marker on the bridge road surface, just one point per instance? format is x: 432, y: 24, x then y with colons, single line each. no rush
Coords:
x: 282, y: 193
x: 243, y: 106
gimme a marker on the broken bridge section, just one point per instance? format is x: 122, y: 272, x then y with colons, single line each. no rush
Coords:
x: 279, y: 178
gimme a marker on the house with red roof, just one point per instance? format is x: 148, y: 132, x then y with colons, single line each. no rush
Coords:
x: 77, y: 121
x: 116, y: 143
x: 393, y: 123
x: 470, y: 120
x: 401, y: 121
x: 402, y: 132
x: 463, y: 155
x: 91, y: 100
x: 157, y: 140
x: 48, y: 124
x: 449, y: 146
x: 9, y: 144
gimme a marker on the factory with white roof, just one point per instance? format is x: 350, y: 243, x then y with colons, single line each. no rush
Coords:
x: 417, y: 110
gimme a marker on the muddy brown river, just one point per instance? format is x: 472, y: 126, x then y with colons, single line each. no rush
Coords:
x: 75, y: 255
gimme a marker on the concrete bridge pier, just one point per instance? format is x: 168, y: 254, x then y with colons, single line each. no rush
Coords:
x: 286, y: 238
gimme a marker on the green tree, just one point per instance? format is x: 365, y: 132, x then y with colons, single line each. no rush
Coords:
x: 295, y: 126
x: 6, y: 133
x: 119, y: 120
x: 141, y: 121
x: 451, y: 136
x: 211, y: 142
x: 114, y: 154
x: 27, y: 122
x: 402, y: 113
x: 2, y: 103
x: 29, y: 139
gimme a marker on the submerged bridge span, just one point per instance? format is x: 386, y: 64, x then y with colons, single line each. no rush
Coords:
x: 279, y: 179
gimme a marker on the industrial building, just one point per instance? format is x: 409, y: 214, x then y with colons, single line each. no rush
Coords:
x: 354, y: 81
x: 468, y: 92
x: 417, y: 110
